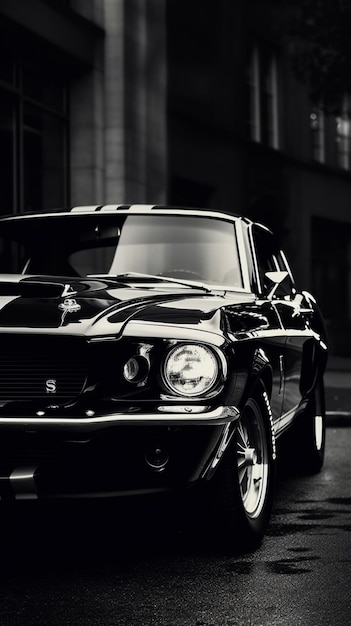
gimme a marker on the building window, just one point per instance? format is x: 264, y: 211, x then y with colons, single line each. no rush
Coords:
x: 342, y: 134
x: 262, y: 97
x: 317, y: 127
x: 253, y: 104
x: 7, y: 152
x: 33, y: 136
x: 331, y: 270
x: 271, y: 100
x: 43, y: 138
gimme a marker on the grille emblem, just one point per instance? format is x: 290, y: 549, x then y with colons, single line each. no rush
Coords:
x: 50, y: 385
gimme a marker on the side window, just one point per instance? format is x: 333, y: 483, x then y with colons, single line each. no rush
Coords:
x: 271, y: 259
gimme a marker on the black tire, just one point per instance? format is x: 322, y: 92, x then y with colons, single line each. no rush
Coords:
x: 244, y: 483
x: 309, y: 433
x: 301, y: 449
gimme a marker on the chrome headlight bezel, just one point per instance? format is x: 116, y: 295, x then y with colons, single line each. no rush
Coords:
x: 196, y: 357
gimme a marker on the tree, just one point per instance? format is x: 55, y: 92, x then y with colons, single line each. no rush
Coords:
x: 320, y: 42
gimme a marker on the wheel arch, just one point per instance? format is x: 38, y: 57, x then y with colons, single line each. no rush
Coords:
x: 261, y: 378
x: 314, y: 361
x: 261, y: 384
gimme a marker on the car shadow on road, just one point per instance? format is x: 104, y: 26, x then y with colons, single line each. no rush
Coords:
x: 71, y: 535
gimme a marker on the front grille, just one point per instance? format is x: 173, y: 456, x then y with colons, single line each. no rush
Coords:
x: 41, y: 367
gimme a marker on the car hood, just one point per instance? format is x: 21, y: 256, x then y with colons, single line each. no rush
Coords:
x: 102, y: 306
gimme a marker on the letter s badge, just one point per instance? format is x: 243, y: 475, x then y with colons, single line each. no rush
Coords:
x: 50, y: 385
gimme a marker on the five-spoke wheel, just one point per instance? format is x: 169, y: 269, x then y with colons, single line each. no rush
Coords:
x: 252, y: 459
x: 243, y: 485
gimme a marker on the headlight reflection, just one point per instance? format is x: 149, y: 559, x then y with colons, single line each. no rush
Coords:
x: 191, y: 370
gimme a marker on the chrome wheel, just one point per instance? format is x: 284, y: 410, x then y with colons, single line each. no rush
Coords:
x: 252, y: 459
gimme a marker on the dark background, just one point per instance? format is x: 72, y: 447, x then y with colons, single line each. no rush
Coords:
x: 239, y: 106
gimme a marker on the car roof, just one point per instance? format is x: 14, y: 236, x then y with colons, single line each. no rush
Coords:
x: 141, y: 209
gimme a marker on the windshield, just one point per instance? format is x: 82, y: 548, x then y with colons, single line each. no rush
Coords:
x: 184, y: 247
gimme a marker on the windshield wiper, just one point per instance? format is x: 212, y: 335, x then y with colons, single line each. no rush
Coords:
x: 131, y: 275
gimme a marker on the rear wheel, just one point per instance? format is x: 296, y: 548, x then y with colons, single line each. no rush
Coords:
x: 301, y: 448
x: 309, y: 433
x: 243, y: 485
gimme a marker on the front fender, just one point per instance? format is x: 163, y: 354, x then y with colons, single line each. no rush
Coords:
x: 261, y: 375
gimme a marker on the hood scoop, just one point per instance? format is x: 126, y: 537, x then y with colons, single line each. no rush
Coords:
x: 32, y: 287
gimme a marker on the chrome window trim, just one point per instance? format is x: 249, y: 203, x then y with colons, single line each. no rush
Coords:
x: 254, y: 258
x: 242, y: 257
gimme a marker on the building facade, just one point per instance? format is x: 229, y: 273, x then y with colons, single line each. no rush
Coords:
x: 82, y: 84
x: 171, y: 101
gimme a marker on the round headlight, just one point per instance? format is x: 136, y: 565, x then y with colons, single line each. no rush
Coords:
x: 190, y: 370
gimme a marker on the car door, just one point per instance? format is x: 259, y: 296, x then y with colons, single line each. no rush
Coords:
x: 299, y: 366
x: 295, y: 310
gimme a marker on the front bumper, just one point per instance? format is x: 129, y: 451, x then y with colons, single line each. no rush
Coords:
x: 178, y: 415
x: 48, y: 457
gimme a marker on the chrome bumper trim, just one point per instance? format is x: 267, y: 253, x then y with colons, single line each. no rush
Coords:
x: 173, y: 417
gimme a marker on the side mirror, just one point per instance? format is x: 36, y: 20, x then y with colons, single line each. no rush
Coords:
x: 277, y: 278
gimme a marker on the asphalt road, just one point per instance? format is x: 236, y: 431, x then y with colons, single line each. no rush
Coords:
x: 65, y: 567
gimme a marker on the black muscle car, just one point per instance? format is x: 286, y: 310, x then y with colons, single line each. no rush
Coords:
x: 147, y: 349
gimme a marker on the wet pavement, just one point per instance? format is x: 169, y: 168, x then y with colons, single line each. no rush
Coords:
x: 76, y: 568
